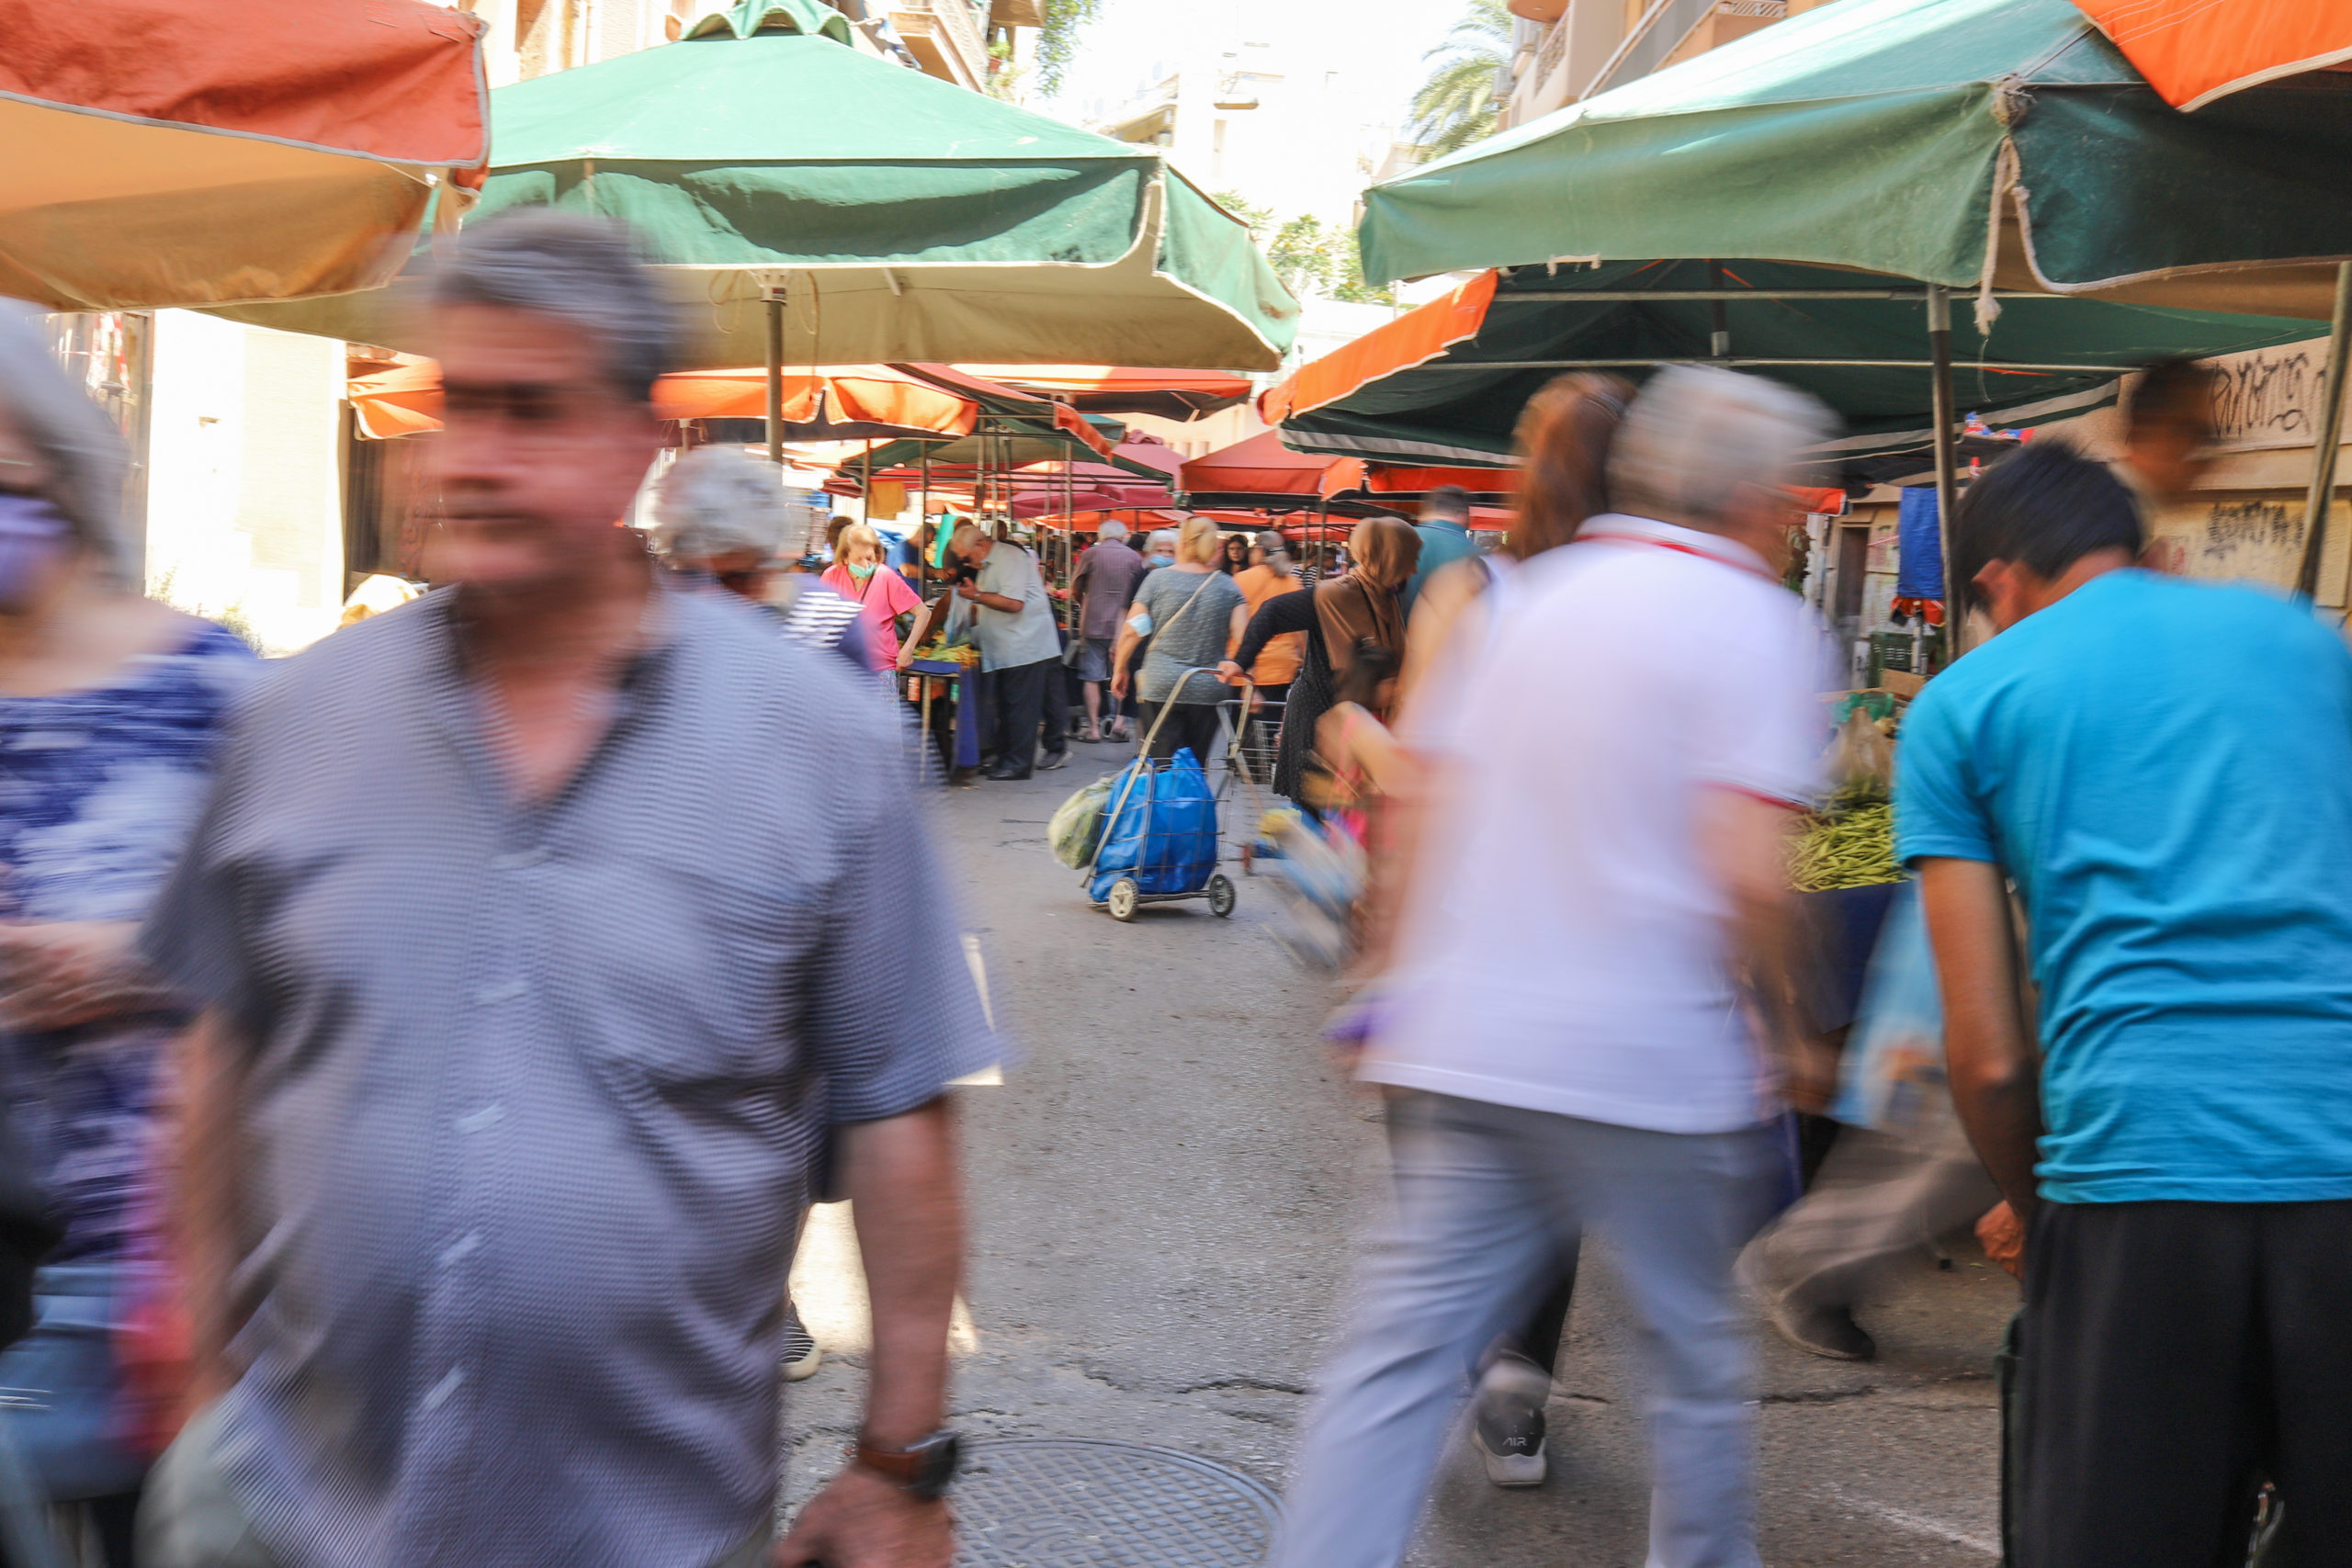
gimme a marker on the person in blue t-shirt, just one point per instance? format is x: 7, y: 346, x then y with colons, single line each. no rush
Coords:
x: 2162, y: 770
x: 1444, y: 529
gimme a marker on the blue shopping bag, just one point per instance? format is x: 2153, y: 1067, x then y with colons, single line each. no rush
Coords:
x: 1164, y: 830
x: 1893, y: 1077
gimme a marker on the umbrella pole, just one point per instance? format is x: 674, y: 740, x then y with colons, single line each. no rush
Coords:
x: 1947, y: 457
x: 2330, y: 436
x: 776, y: 380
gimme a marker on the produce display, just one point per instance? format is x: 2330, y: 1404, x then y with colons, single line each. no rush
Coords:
x: 1851, y: 844
x: 938, y: 652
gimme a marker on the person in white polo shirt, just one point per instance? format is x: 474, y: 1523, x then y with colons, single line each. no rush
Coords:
x: 1581, y: 1028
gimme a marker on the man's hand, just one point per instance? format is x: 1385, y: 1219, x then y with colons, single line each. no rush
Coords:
x: 2003, y: 1238
x: 966, y: 591
x: 59, y: 973
x: 863, y: 1521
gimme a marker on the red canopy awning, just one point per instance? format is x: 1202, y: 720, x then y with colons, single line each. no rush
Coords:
x: 2193, y: 51
x: 1263, y: 466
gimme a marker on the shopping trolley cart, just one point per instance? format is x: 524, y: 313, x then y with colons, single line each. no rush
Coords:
x: 1159, y: 841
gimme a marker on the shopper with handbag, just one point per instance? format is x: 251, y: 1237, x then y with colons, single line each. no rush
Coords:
x: 1191, y: 611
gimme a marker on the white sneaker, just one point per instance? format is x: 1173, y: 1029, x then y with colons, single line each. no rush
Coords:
x: 1507, y: 1420
x: 801, y: 1356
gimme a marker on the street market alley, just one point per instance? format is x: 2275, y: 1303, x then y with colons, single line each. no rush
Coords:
x: 1165, y: 1193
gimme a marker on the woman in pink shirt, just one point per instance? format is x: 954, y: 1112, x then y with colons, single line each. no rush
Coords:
x: 883, y: 597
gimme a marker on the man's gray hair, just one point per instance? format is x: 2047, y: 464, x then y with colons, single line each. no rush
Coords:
x: 1112, y: 529
x: 590, y: 271
x: 1697, y: 435
x: 80, y: 443
x: 718, y: 500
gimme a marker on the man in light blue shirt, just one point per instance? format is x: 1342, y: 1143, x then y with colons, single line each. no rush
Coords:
x: 1020, y: 649
x: 2162, y: 771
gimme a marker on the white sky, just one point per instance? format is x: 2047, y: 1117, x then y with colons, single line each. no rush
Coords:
x: 1378, y: 43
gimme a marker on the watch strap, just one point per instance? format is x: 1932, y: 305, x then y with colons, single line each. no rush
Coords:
x: 905, y: 1466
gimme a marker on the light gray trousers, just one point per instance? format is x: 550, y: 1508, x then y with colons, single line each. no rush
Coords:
x: 1877, y: 1199
x: 1485, y: 1196
x: 189, y: 1518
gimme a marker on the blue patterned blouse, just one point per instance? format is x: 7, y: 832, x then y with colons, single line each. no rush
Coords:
x: 99, y: 789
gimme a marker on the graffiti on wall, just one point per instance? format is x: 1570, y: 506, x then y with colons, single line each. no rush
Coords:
x: 2267, y: 396
x: 2246, y: 539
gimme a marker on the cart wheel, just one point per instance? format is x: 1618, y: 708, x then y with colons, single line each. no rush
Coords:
x: 1220, y: 896
x: 1121, y: 901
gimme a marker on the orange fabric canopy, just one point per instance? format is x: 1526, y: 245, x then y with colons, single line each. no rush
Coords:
x: 406, y: 401
x: 179, y: 154
x: 395, y: 80
x: 2193, y: 51
x: 1414, y: 338
x: 1263, y: 466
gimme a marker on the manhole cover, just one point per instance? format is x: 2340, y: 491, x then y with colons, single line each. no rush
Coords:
x: 1076, y: 1502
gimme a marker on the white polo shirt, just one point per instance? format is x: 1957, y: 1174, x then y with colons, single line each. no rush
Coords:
x: 1568, y: 951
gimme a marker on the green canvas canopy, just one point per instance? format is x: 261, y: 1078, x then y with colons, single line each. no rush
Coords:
x: 1986, y: 145
x: 895, y: 217
x: 1969, y: 143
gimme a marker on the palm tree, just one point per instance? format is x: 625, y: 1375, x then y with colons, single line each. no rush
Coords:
x: 1456, y: 105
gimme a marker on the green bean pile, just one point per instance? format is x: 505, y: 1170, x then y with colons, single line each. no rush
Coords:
x: 1850, y: 846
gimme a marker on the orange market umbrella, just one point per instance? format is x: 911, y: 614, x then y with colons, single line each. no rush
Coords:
x: 174, y: 154
x: 2193, y: 51
x: 848, y: 401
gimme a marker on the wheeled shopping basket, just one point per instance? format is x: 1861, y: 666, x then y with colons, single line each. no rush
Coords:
x: 1162, y: 848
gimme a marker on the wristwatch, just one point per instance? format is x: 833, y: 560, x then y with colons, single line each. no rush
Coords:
x: 925, y: 1469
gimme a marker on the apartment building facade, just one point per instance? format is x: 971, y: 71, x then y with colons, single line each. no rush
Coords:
x: 1565, y: 49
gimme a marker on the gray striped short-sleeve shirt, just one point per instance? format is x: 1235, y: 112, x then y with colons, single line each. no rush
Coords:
x: 526, y: 1112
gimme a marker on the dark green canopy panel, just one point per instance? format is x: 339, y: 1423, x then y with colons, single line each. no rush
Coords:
x: 2045, y: 359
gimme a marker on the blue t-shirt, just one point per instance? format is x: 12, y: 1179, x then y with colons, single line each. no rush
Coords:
x: 2164, y: 770
x: 1442, y: 543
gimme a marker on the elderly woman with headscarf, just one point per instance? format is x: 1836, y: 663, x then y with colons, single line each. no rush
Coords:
x: 1342, y: 618
x: 110, y: 704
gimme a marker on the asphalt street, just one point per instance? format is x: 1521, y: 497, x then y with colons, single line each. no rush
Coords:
x: 1165, y: 1193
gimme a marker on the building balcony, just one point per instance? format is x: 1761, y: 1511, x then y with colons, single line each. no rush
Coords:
x: 947, y: 37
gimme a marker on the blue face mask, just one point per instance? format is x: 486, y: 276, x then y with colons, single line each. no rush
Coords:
x: 34, y: 535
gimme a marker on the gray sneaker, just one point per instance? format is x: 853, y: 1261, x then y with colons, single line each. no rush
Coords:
x: 1507, y: 1423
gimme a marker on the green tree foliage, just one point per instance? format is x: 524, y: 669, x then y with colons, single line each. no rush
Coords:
x: 1456, y: 103
x: 1310, y: 256
x: 1057, y: 40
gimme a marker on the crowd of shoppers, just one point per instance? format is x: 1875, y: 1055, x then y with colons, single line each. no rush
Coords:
x: 474, y: 1132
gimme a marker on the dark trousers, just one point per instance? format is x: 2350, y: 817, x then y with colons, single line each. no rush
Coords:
x: 1191, y: 725
x: 1023, y: 710
x: 2175, y: 1356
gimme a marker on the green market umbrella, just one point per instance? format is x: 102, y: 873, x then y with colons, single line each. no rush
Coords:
x: 1986, y: 144
x: 1969, y: 143
x: 814, y: 206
